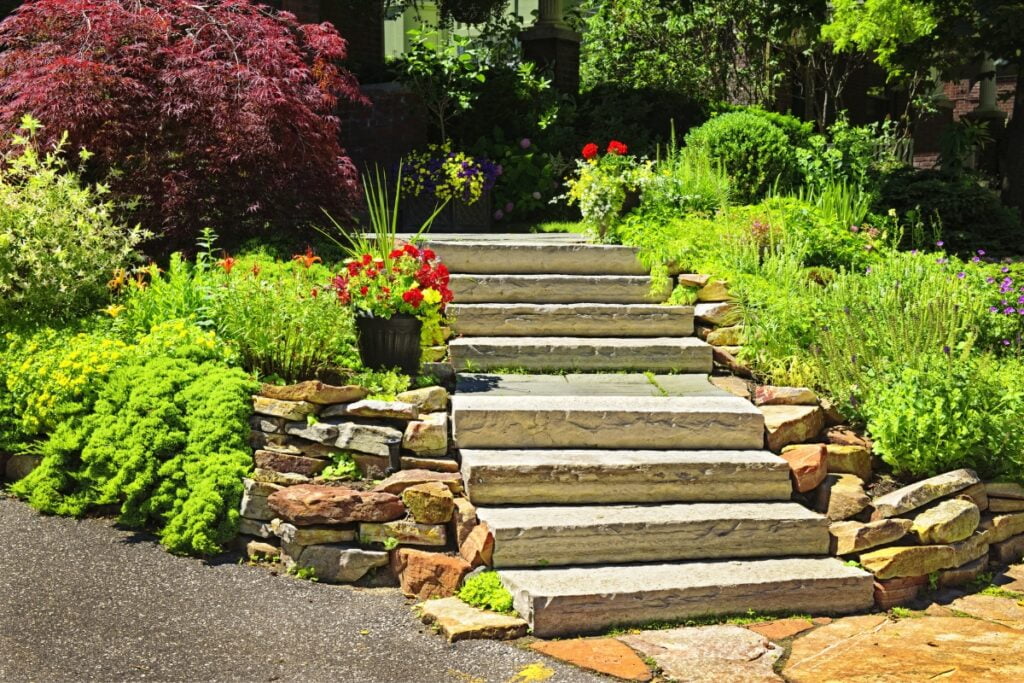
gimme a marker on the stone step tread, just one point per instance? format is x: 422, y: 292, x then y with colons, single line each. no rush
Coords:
x: 554, y: 289
x: 557, y: 535
x: 577, y: 319
x: 607, y: 422
x: 579, y: 600
x: 587, y: 384
x: 534, y: 254
x: 682, y: 354
x: 531, y: 477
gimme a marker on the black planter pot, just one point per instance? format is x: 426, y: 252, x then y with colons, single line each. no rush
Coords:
x: 386, y: 343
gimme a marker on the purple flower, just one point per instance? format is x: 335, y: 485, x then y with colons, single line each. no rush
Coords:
x: 981, y: 252
x: 941, y: 261
x: 945, y: 350
x: 498, y: 215
x: 913, y: 252
x: 940, y: 243
x: 1005, y: 269
x: 993, y: 309
x: 990, y: 280
x: 1006, y: 342
x: 867, y: 271
x: 525, y: 143
x: 961, y: 275
x: 975, y: 259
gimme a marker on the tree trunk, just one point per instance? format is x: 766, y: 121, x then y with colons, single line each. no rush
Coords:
x: 1013, y: 150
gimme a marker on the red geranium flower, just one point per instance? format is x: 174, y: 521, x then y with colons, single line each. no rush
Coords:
x: 413, y: 297
x: 589, y: 150
x: 429, y: 255
x: 616, y: 147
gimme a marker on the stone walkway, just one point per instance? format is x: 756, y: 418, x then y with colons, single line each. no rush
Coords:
x: 85, y: 601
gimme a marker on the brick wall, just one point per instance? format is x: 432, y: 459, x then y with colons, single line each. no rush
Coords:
x: 393, y: 125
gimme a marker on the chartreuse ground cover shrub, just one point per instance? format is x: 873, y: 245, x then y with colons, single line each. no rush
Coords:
x: 157, y: 427
x: 486, y: 591
x: 58, y: 237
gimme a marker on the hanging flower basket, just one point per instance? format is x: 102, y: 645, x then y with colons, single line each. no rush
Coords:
x: 386, y: 343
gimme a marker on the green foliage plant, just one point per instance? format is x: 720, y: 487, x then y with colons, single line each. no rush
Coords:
x: 601, y: 185
x: 755, y: 153
x: 684, y: 181
x: 486, y: 591
x: 59, y: 241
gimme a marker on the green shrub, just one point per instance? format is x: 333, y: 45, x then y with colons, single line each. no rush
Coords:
x: 755, y: 153
x: 58, y: 240
x: 166, y: 441
x: 685, y: 181
x: 799, y: 132
x: 949, y: 411
x: 486, y: 591
x: 964, y: 213
x: 855, y: 156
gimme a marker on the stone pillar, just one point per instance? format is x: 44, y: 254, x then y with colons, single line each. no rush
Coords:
x: 550, y: 43
x: 988, y: 111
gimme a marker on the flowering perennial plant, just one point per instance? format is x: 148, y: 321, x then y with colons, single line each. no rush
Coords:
x: 408, y: 280
x: 602, y: 184
x: 448, y: 175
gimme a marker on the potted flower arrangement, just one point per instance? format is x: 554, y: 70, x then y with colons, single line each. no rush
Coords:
x: 604, y: 186
x: 438, y: 176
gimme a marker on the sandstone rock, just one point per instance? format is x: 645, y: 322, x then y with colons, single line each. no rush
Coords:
x: 710, y: 654
x: 726, y: 336
x: 289, y: 410
x: 463, y: 520
x: 693, y: 280
x: 20, y: 465
x: 781, y: 629
x: 734, y: 385
x: 429, y: 503
x: 872, y: 648
x: 849, y: 460
x: 255, y: 507
x: 400, y: 481
x: 459, y: 621
x: 841, y: 496
x: 844, y: 436
x: 427, y: 399
x: 314, y: 392
x: 320, y: 432
x: 969, y: 549
x: 948, y: 522
x: 427, y: 437
x: 977, y: 495
x: 785, y: 425
x: 311, y: 535
x: 1006, y: 489
x: 1008, y: 551
x: 604, y: 655
x: 832, y: 415
x: 270, y: 425
x: 917, y: 560
x: 723, y: 359
x: 397, y: 410
x: 808, y: 466
x: 340, y: 563
x: 426, y: 575
x: 286, y: 463
x: 1001, y: 527
x: 371, y: 439
x: 403, y: 531
x: 292, y: 445
x: 260, y: 550
x: 478, y: 548
x: 1005, y: 505
x: 892, y: 592
x: 310, y: 504
x: 260, y: 488
x: 784, y: 396
x: 714, y: 291
x: 902, y: 501
x: 1005, y: 611
x: 254, y: 527
x: 280, y: 478
x: 725, y: 313
x: 376, y: 466
x: 855, y: 537
x: 958, y: 576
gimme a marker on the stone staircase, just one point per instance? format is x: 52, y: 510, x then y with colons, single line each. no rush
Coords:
x: 618, y: 498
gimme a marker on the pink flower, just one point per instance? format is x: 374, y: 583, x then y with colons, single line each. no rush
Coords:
x: 509, y: 207
x: 498, y: 215
x: 525, y: 143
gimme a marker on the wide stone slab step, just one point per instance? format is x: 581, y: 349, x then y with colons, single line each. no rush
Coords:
x: 607, y: 422
x: 534, y: 254
x: 576, y: 535
x: 578, y: 600
x: 669, y: 354
x: 572, y: 320
x: 555, y: 289
x: 504, y: 477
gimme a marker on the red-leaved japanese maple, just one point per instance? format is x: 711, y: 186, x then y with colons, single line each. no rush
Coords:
x: 216, y: 113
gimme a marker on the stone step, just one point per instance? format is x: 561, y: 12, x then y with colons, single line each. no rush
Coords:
x: 544, y: 536
x: 577, y: 600
x: 668, y: 354
x: 572, y: 320
x: 607, y: 422
x: 555, y: 289
x: 531, y: 477
x: 534, y: 254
